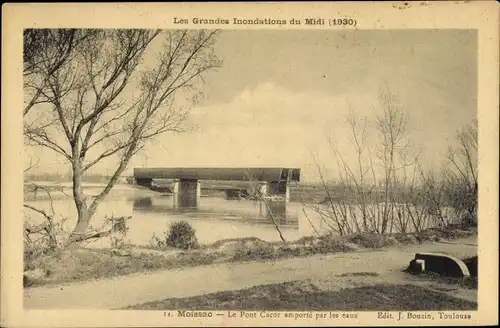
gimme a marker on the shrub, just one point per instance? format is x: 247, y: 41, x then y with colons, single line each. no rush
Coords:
x: 158, y: 243
x: 33, y: 251
x: 368, y: 240
x: 286, y: 250
x: 253, y: 251
x: 182, y: 235
x: 306, y: 239
x: 119, y: 230
x: 453, y: 232
x: 431, y: 234
x: 332, y: 244
x: 390, y: 241
x: 405, y: 239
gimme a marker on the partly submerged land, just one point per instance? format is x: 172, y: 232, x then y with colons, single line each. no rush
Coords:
x: 355, y: 272
x: 218, y: 271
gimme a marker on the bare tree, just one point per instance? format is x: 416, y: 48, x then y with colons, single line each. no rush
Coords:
x: 45, y: 51
x: 461, y: 175
x: 395, y: 152
x: 433, y: 189
x: 352, y: 211
x: 337, y: 214
x: 418, y: 197
x: 47, y: 228
x: 374, y: 184
x: 117, y: 90
x: 355, y: 180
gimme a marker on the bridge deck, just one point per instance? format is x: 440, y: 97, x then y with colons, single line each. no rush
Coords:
x: 227, y: 174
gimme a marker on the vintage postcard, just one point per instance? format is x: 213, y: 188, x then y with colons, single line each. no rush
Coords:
x: 250, y: 164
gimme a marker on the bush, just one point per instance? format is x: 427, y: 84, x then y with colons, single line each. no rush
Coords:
x: 254, y: 250
x: 306, y: 239
x: 431, y: 234
x: 182, y: 235
x: 368, y: 240
x: 454, y: 232
x: 406, y: 239
x: 389, y: 241
x: 332, y: 244
x: 33, y: 251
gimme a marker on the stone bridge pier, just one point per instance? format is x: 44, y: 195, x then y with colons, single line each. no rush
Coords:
x: 275, y: 197
x: 275, y: 189
x: 187, y: 193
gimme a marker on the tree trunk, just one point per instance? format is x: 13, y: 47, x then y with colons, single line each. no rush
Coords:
x: 83, y: 217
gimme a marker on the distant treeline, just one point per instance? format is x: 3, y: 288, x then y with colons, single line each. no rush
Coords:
x: 317, y: 193
x: 58, y: 177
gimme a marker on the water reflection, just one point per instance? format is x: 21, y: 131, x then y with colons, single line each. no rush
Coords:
x: 143, y: 202
x: 276, y: 211
x: 244, y: 210
x: 214, y: 218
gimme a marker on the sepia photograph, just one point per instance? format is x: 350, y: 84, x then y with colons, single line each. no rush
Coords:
x: 273, y: 173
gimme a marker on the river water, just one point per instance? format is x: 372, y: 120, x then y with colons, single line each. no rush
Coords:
x: 214, y: 219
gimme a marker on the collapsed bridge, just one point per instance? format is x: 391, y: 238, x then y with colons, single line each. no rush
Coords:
x: 271, y: 181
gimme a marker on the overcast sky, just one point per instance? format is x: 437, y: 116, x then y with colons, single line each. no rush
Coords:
x: 278, y: 94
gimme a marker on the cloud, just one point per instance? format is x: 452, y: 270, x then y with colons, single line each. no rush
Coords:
x: 272, y: 106
x: 267, y: 125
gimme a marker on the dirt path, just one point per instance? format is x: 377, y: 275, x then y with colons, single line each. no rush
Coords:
x: 134, y: 289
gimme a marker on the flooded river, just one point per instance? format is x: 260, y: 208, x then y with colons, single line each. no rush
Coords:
x: 214, y: 219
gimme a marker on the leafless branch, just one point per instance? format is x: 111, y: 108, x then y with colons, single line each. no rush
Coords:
x: 31, y: 165
x: 102, y: 95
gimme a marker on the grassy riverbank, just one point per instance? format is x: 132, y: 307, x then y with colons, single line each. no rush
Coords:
x: 86, y: 264
x: 303, y: 295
